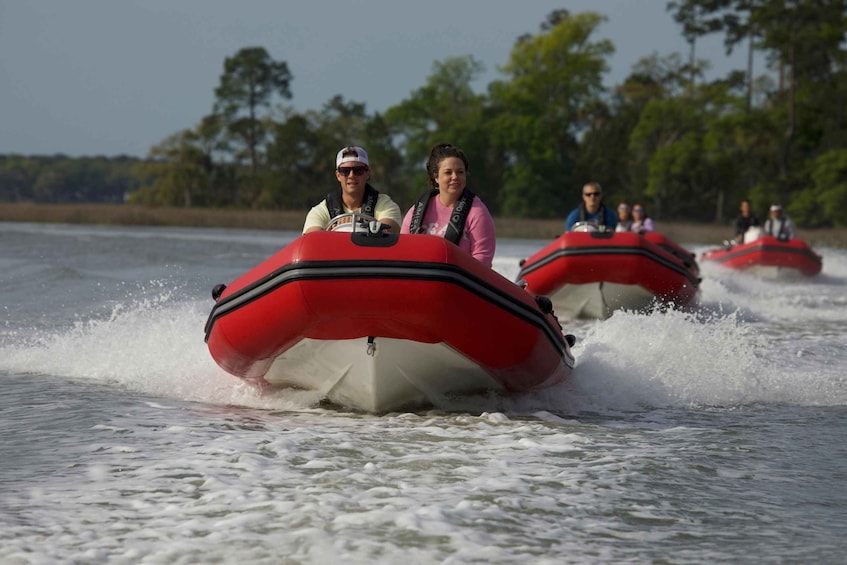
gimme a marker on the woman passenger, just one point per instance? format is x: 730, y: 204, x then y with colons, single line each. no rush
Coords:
x: 450, y: 209
x: 641, y: 222
x: 624, y: 218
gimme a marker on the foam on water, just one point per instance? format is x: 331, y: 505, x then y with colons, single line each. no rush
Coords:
x: 675, y: 359
x: 318, y: 492
x: 152, y: 341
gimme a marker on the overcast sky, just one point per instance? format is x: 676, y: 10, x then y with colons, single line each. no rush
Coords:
x: 112, y: 77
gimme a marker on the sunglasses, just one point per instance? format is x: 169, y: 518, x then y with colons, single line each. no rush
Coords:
x: 638, y: 209
x: 358, y: 171
x: 591, y: 193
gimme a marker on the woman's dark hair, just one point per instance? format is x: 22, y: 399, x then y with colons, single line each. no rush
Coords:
x: 438, y: 153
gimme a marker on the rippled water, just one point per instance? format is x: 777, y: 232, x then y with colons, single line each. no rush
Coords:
x: 710, y: 436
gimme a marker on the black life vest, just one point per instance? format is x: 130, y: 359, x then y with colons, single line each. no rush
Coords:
x: 458, y: 217
x: 601, y: 214
x: 781, y: 234
x: 335, y: 204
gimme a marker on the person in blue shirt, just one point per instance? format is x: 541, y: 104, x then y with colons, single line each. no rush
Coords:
x: 592, y: 210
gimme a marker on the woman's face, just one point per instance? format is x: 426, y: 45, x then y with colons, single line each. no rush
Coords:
x: 452, y: 176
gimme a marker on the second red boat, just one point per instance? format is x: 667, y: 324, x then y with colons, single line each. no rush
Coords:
x: 592, y: 274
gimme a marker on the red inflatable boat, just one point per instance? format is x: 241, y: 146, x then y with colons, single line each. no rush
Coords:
x: 769, y: 256
x: 590, y: 274
x: 378, y: 322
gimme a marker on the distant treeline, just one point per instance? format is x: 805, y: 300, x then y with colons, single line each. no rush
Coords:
x: 61, y: 179
x: 687, y: 148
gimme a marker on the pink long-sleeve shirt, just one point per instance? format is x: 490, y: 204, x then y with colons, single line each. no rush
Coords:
x: 478, y: 238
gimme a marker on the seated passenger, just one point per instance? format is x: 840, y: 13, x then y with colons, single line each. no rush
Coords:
x: 779, y: 225
x: 449, y: 209
x: 355, y: 194
x: 745, y: 220
x: 592, y: 209
x: 641, y: 222
x: 624, y: 217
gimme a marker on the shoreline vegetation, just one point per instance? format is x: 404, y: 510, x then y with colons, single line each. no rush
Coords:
x: 292, y: 220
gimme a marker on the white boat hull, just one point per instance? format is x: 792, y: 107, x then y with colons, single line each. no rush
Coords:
x: 599, y: 300
x: 398, y: 373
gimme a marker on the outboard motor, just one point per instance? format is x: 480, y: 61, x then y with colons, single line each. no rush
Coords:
x: 752, y: 234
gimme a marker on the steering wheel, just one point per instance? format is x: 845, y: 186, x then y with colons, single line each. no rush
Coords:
x: 354, y: 222
x: 587, y: 227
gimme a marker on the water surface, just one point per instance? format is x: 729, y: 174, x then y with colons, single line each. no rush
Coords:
x: 684, y: 437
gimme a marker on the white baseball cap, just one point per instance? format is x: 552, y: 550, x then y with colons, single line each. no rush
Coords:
x: 352, y: 153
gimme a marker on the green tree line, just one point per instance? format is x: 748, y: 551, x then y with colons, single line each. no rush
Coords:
x: 688, y: 148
